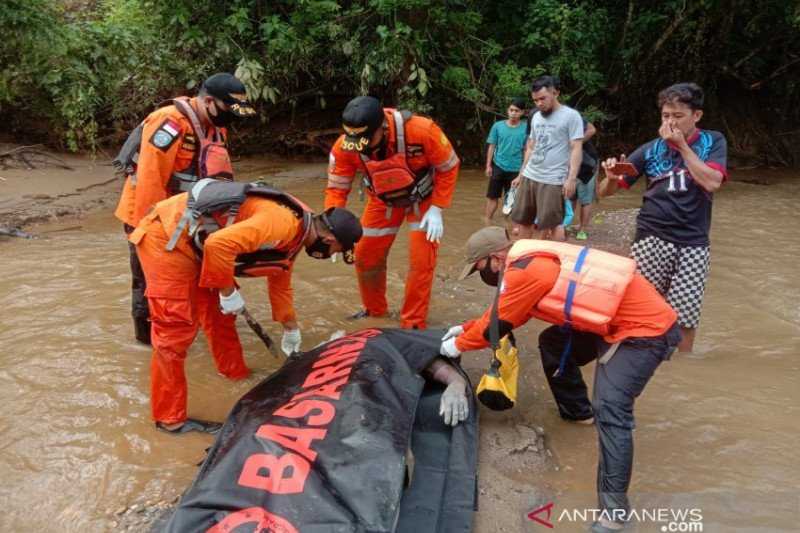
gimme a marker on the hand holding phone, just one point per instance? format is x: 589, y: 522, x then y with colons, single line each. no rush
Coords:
x: 624, y: 168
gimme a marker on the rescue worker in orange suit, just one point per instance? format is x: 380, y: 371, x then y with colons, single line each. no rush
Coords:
x: 192, y: 245
x: 601, y: 309
x: 173, y: 147
x: 410, y: 170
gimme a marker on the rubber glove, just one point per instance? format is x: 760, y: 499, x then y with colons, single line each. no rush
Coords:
x: 454, y: 406
x: 233, y: 304
x: 455, y: 331
x: 448, y: 348
x: 432, y: 223
x: 291, y: 340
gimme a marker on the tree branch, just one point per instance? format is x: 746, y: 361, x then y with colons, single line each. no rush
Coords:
x: 775, y: 74
x: 676, y: 22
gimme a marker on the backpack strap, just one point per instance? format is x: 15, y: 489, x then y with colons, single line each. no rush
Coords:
x: 186, y: 109
x: 399, y: 131
x: 190, y: 214
x: 567, y: 327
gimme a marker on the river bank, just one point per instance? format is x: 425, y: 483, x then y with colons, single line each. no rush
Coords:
x: 76, y: 385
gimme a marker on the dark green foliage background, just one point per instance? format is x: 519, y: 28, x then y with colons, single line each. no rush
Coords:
x: 81, y: 73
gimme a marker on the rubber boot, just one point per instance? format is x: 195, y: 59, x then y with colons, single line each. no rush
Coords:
x: 141, y: 328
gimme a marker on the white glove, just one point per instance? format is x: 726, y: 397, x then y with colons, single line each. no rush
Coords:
x: 290, y: 342
x: 334, y: 257
x: 432, y: 222
x: 454, y: 406
x: 455, y: 331
x: 233, y: 304
x: 448, y: 348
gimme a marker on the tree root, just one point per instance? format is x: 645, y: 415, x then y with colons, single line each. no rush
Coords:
x: 30, y: 157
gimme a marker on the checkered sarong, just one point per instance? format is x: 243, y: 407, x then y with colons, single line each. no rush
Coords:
x: 679, y: 273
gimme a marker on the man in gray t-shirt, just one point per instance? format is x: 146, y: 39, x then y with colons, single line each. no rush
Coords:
x: 552, y: 160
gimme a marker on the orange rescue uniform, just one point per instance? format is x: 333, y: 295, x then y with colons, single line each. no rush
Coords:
x: 156, y: 166
x: 426, y: 147
x: 182, y: 290
x: 641, y: 313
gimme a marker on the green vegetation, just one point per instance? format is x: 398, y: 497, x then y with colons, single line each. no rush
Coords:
x: 81, y: 72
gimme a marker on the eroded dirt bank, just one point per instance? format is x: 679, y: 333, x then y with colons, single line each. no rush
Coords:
x: 78, y: 437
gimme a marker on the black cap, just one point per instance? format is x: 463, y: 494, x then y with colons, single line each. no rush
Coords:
x: 231, y: 91
x: 346, y: 228
x: 362, y: 116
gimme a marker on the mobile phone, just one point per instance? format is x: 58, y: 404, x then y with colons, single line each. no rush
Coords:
x: 624, y: 168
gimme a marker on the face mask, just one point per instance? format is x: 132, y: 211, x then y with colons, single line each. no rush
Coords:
x: 489, y: 277
x: 319, y: 249
x: 223, y: 118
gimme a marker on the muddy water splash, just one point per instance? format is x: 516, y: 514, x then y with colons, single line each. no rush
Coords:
x: 77, y: 442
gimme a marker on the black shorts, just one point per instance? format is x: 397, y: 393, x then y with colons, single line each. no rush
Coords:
x: 500, y: 182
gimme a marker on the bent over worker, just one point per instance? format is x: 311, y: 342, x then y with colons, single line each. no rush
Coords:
x: 173, y: 148
x: 600, y: 307
x: 192, y: 245
x: 410, y: 171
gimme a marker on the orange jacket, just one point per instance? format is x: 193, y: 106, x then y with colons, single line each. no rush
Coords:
x: 260, y: 221
x: 642, y: 312
x: 156, y: 165
x: 426, y: 146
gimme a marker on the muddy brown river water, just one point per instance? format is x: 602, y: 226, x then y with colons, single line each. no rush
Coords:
x: 717, y: 430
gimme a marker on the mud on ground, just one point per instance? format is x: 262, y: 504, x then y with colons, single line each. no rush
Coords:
x: 514, y: 451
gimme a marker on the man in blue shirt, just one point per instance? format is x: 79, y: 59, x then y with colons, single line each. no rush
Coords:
x: 684, y: 166
x: 504, y: 156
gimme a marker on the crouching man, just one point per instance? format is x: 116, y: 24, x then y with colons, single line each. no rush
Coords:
x: 600, y: 308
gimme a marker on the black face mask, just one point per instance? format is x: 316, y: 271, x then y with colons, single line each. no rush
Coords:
x: 489, y: 277
x: 319, y: 249
x: 222, y: 119
x: 380, y: 149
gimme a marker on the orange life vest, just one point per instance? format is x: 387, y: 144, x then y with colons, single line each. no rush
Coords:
x: 391, y: 179
x: 589, y: 288
x: 211, y: 161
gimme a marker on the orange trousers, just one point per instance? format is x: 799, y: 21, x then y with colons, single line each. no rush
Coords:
x: 178, y: 307
x: 381, y: 225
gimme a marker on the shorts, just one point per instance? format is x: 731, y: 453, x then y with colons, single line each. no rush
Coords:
x: 538, y: 201
x: 585, y: 192
x: 500, y: 182
x: 678, y: 272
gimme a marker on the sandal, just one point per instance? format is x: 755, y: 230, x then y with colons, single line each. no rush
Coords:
x: 363, y: 313
x: 192, y: 424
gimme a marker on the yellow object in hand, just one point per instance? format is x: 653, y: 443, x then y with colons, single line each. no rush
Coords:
x: 497, y: 389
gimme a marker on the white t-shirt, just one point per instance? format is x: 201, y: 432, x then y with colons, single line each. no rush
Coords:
x: 549, y: 162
